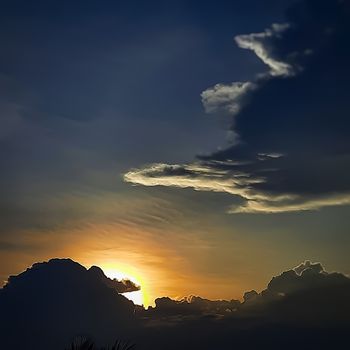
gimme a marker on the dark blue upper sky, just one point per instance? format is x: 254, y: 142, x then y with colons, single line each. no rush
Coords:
x: 117, y: 79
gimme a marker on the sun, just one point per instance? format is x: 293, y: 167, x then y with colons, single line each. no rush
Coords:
x: 138, y: 297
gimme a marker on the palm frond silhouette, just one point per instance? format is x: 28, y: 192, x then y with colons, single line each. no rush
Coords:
x: 120, y: 345
x: 82, y: 343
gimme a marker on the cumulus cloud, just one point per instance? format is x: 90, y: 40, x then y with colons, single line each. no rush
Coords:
x: 69, y: 300
x: 305, y: 276
x: 308, y: 265
x: 226, y: 97
x: 306, y: 294
x: 60, y: 299
x: 292, y: 123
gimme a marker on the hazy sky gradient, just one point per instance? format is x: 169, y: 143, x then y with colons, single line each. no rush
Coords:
x: 95, y: 89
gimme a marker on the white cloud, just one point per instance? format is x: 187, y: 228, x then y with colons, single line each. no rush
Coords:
x: 257, y: 42
x: 228, y: 97
x: 269, y: 207
x: 202, y: 178
x: 208, y: 178
x: 196, y: 176
x: 232, y: 97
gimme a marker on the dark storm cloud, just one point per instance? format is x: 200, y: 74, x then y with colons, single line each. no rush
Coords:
x: 290, y: 124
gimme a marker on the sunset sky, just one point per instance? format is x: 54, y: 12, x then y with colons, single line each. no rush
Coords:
x: 194, y: 147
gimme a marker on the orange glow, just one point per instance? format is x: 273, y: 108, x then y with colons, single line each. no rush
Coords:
x: 120, y: 271
x: 172, y: 264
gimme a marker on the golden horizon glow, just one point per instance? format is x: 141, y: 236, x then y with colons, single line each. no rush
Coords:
x: 120, y: 272
x: 159, y: 263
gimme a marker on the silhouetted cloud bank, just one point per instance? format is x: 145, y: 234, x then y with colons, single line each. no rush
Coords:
x: 50, y: 303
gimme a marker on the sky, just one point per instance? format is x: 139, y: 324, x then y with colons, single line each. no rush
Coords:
x: 196, y: 148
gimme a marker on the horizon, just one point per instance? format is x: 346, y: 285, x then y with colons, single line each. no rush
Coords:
x: 140, y: 297
x: 75, y: 305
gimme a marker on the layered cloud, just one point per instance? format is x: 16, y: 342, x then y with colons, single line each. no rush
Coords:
x: 292, y: 123
x: 200, y: 176
x: 192, y: 305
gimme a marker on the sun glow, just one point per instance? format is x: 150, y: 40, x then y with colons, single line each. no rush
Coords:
x: 125, y: 272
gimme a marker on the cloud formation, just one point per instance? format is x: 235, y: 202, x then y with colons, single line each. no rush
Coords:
x: 307, y: 277
x: 192, y: 305
x: 198, y: 176
x: 229, y: 98
x: 292, y: 123
x: 52, y: 302
x: 122, y: 286
x: 259, y: 44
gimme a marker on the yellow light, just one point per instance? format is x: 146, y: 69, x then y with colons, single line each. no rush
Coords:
x: 126, y: 272
x: 136, y: 297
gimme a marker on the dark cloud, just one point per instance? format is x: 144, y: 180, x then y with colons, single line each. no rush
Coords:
x: 302, y: 277
x: 307, y: 278
x: 192, y: 305
x: 122, y: 286
x: 50, y: 303
x: 291, y: 149
x: 250, y: 296
x: 305, y: 307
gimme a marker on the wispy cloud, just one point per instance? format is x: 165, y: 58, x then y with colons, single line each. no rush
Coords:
x: 259, y: 44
